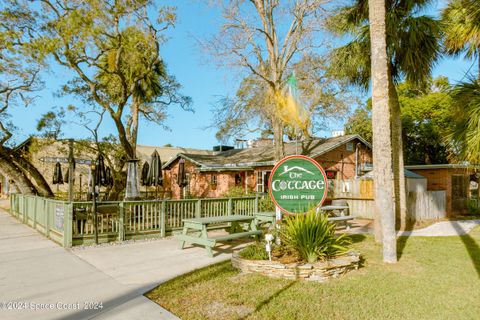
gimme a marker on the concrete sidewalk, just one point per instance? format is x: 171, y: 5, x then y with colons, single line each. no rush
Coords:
x: 444, y: 229
x: 37, y: 272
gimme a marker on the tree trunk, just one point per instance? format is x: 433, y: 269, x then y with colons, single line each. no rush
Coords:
x: 12, y: 172
x: 279, y: 150
x: 382, y: 130
x: 122, y: 136
x: 42, y: 185
x: 134, y: 126
x: 397, y: 149
x: 119, y: 183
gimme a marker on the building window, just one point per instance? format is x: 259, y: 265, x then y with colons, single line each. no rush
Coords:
x: 262, y: 181
x: 350, y: 146
x: 238, y: 179
x: 214, y: 179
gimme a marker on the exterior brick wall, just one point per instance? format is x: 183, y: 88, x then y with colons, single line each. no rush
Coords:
x: 339, y: 159
x: 441, y: 179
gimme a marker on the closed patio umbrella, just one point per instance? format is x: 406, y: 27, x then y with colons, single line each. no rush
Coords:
x: 100, y: 172
x: 57, y: 174
x: 144, y: 176
x: 89, y: 185
x: 108, y: 177
x: 155, y: 177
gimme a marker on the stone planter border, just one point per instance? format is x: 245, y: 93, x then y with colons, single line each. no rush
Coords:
x: 320, y: 271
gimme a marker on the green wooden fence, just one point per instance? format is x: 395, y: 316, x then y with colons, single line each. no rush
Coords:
x: 71, y: 223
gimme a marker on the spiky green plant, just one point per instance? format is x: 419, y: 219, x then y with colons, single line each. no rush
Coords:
x: 313, y: 237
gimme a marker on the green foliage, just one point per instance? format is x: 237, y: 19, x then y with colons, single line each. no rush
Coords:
x: 474, y: 209
x: 236, y: 192
x: 254, y: 251
x: 313, y: 237
x: 407, y: 30
x: 265, y: 204
x: 461, y: 25
x: 465, y: 136
x: 427, y: 118
x: 360, y: 122
x: 50, y: 124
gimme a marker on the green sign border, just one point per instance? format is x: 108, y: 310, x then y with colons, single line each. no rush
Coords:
x: 297, y: 157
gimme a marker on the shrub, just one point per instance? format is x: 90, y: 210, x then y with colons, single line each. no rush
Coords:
x: 474, y: 208
x: 236, y: 192
x: 265, y: 204
x: 313, y: 237
x: 254, y: 251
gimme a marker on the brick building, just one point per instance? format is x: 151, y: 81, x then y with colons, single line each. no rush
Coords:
x: 211, y: 176
x: 43, y: 156
x: 455, y: 179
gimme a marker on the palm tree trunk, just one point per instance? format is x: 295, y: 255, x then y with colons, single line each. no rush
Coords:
x: 382, y: 130
x: 397, y: 150
x: 134, y: 125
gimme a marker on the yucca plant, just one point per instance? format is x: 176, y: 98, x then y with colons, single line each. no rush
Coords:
x: 313, y: 237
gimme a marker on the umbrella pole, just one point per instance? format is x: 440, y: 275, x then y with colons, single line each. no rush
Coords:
x: 94, y: 208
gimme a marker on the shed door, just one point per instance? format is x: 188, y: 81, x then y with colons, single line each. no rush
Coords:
x: 460, y: 186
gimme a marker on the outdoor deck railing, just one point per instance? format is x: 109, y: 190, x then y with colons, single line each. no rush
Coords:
x: 72, y: 223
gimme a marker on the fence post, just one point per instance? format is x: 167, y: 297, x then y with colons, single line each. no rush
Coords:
x: 35, y: 213
x: 68, y: 225
x: 162, y: 220
x: 25, y: 208
x: 230, y: 207
x: 198, y: 208
x: 12, y: 210
x: 47, y: 219
x: 121, y: 221
x: 255, y: 205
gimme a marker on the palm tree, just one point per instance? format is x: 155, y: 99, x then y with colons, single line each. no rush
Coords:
x: 382, y: 142
x: 412, y: 49
x: 461, y: 19
x: 466, y: 133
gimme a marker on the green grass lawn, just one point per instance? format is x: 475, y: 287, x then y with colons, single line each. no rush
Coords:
x: 435, y: 278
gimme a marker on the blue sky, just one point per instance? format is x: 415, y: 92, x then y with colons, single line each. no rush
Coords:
x: 201, y: 80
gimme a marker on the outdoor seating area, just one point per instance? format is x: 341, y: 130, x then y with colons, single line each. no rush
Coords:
x: 195, y: 231
x: 73, y: 223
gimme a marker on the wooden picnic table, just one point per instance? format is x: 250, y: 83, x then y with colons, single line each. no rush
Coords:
x: 196, y: 230
x: 332, y: 209
x: 270, y: 216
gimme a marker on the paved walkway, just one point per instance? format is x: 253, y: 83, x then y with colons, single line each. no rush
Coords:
x: 444, y: 228
x: 38, y: 272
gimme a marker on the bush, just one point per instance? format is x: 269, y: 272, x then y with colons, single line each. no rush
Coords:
x: 473, y: 208
x: 313, y: 237
x: 265, y: 204
x: 254, y: 252
x: 236, y: 192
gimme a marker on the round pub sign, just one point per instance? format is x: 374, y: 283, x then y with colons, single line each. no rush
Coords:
x: 297, y: 184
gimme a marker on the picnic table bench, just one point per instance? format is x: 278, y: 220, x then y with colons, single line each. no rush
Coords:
x: 195, y: 230
x: 270, y: 216
x: 338, y: 218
